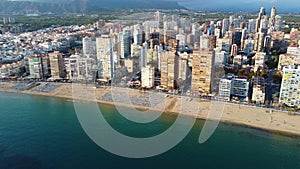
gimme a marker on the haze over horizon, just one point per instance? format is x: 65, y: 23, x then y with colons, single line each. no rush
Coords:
x: 238, y: 5
x: 284, y: 6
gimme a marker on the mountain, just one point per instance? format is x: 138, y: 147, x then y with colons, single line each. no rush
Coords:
x: 79, y: 6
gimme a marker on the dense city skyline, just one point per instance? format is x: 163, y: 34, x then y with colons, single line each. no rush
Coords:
x: 168, y: 52
x: 144, y: 82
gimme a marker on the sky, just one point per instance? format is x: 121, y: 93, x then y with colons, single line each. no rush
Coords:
x: 242, y: 5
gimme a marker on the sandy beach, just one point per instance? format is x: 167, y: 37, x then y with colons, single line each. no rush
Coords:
x: 260, y: 118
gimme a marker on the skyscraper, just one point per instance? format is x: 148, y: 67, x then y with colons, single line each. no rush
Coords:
x: 168, y: 35
x: 251, y: 25
x: 208, y: 41
x: 149, y: 27
x: 243, y: 37
x: 249, y: 46
x: 272, y: 20
x: 157, y: 17
x: 89, y: 47
x: 217, y: 32
x: 277, y: 40
x: 262, y: 12
x: 259, y: 89
x: 224, y: 89
x: 148, y: 77
x: 257, y: 24
x: 35, y: 66
x: 264, y: 23
x: 240, y: 88
x: 105, y: 59
x: 290, y: 87
x: 204, y: 41
x: 202, y: 71
x: 225, y: 26
x: 181, y: 38
x: 234, y: 50
x: 288, y: 60
x: 57, y: 65
x: 169, y: 66
x: 261, y: 16
x: 80, y: 68
x: 138, y: 36
x: 125, y: 43
x: 143, y: 56
x: 259, y: 42
x: 220, y: 57
x: 294, y: 37
x: 169, y: 70
x: 278, y: 23
x: 259, y: 60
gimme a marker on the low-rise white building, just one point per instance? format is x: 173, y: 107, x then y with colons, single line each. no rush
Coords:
x: 224, y: 89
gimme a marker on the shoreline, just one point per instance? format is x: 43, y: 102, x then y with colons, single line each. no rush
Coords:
x: 232, y: 114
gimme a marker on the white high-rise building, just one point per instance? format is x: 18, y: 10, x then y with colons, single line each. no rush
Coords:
x: 80, y: 68
x: 248, y: 46
x: 157, y: 17
x: 194, y: 28
x: 243, y: 37
x: 204, y: 41
x: 290, y: 87
x: 278, y: 23
x: 150, y: 27
x: 220, y: 57
x: 89, y: 47
x: 272, y: 20
x: 231, y: 18
x: 181, y: 38
x: 105, y: 57
x: 264, y: 23
x: 225, y: 26
x: 259, y: 60
x: 252, y: 25
x: 143, y: 58
x: 182, y: 70
x: 217, y: 32
x: 236, y: 23
x: 262, y: 12
x: 138, y: 36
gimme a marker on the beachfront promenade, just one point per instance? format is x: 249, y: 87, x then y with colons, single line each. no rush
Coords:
x: 263, y: 118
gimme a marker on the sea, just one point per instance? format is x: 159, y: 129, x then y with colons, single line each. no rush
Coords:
x: 40, y: 132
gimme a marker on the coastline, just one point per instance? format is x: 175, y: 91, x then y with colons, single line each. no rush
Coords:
x: 242, y: 115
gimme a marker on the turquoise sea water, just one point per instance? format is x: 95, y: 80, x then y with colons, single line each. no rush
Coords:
x: 44, y: 132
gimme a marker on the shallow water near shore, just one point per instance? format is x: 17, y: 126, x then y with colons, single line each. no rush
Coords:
x: 44, y: 132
